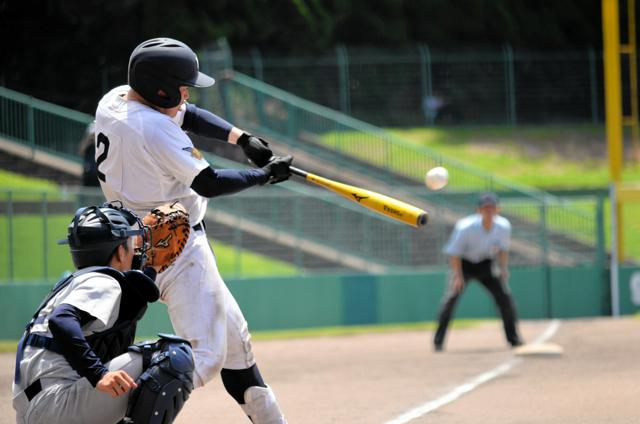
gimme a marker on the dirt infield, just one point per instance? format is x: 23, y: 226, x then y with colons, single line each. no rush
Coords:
x: 376, y: 378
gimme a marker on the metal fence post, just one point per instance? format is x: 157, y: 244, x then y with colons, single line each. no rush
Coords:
x: 593, y: 85
x: 256, y: 61
x: 425, y: 70
x: 297, y: 230
x: 544, y: 245
x: 31, y: 131
x: 343, y: 78
x: 292, y: 121
x: 10, y: 235
x: 45, y: 235
x: 237, y: 240
x: 600, y: 235
x: 510, y: 85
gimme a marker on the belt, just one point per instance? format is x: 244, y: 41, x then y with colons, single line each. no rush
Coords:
x: 33, y: 389
x: 199, y: 226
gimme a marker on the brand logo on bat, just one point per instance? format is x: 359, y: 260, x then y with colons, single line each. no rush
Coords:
x: 164, y: 242
x: 359, y: 198
x: 391, y: 210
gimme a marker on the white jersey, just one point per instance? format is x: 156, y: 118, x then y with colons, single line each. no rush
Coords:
x: 144, y: 158
x: 94, y: 293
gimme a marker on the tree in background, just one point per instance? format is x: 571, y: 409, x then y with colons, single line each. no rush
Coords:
x: 68, y: 52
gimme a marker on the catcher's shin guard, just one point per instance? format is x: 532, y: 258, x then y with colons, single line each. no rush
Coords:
x: 261, y: 406
x: 166, y: 383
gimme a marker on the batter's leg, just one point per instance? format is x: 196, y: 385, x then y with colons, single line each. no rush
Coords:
x: 241, y: 376
x: 193, y: 292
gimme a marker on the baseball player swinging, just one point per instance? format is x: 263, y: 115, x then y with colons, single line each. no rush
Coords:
x: 145, y: 158
x: 74, y: 363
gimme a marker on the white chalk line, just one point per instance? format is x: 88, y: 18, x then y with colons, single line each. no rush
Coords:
x: 470, y: 385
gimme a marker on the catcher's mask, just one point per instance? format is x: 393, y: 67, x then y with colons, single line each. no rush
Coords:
x: 96, y: 232
x: 164, y: 64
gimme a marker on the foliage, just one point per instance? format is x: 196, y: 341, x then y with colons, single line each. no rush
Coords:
x: 71, y: 52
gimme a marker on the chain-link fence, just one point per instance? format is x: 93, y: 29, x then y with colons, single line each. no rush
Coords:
x: 292, y: 229
x: 418, y: 86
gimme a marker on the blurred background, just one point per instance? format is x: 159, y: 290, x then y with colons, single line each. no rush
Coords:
x: 509, y: 96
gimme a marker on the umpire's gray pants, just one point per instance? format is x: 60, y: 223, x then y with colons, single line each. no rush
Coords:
x: 77, y: 401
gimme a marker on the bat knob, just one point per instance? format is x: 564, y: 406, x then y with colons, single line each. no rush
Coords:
x: 422, y: 219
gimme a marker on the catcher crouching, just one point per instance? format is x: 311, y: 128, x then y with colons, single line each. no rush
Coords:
x: 75, y: 362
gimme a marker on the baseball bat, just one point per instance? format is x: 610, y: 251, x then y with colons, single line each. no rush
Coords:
x: 385, y: 205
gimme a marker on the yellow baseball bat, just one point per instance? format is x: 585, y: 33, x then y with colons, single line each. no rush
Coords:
x: 385, y: 205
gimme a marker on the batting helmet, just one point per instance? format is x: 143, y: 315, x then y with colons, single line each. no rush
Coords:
x: 164, y: 64
x: 96, y: 232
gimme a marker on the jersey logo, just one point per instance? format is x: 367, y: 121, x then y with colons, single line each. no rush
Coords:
x: 359, y: 198
x: 194, y: 152
x: 164, y: 242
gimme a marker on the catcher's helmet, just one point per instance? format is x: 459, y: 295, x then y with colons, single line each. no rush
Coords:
x: 96, y: 232
x: 164, y: 64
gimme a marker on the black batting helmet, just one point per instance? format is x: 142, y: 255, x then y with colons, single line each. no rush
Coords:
x: 164, y: 64
x: 96, y: 232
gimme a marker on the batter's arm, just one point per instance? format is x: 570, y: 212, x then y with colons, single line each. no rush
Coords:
x: 206, y: 124
x: 216, y: 182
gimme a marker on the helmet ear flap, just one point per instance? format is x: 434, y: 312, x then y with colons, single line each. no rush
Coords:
x: 164, y: 64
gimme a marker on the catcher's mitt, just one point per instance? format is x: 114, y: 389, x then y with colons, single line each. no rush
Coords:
x: 170, y: 229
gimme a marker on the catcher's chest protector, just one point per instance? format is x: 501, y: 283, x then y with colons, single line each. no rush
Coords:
x: 133, y: 304
x: 165, y: 385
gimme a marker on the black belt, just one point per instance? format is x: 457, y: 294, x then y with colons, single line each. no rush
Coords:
x: 199, y: 226
x: 33, y: 389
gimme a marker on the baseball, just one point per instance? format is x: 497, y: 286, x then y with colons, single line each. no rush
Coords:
x: 437, y: 178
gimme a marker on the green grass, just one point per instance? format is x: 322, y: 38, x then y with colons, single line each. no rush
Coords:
x: 35, y: 259
x: 10, y: 345
x: 544, y: 157
x: 359, y: 329
x: 13, y: 181
x: 551, y: 157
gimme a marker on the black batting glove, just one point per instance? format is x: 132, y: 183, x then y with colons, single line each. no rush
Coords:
x: 278, y: 169
x: 256, y: 149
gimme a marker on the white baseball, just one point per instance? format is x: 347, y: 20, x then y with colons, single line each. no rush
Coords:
x: 437, y: 178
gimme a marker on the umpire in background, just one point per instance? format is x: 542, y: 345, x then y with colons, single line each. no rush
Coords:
x: 476, y: 243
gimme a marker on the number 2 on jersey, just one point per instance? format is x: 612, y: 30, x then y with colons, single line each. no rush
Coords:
x: 102, y: 139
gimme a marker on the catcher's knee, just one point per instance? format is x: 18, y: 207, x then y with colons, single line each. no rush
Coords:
x: 165, y: 383
x: 236, y: 382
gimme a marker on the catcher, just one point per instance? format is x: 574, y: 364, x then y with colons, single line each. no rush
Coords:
x: 74, y: 362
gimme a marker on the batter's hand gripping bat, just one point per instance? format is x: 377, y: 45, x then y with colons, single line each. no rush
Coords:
x: 385, y: 205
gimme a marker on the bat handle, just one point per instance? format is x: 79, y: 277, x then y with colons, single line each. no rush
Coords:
x: 298, y: 171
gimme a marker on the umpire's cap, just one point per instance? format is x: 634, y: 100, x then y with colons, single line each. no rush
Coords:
x: 96, y: 232
x: 487, y: 199
x: 164, y: 64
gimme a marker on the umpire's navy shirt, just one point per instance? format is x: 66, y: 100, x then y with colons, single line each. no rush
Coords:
x: 471, y: 241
